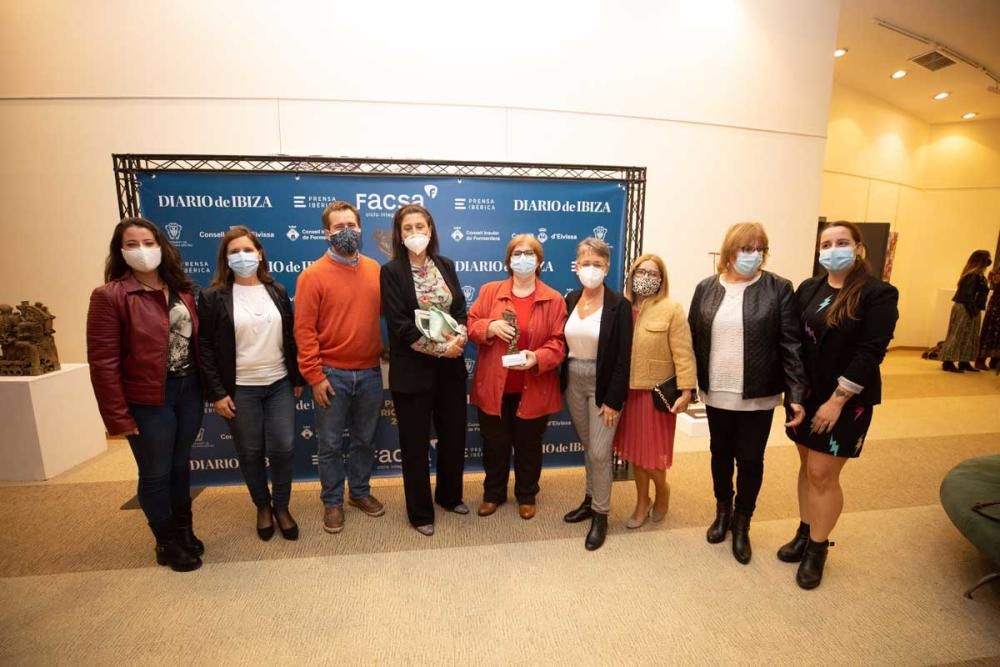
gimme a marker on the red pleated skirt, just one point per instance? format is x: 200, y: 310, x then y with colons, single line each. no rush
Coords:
x: 645, y: 436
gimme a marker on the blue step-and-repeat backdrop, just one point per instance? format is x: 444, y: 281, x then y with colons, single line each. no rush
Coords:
x: 475, y: 218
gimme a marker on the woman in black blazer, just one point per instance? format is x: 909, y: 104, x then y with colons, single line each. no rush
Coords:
x: 426, y: 367
x: 595, y: 377
x: 848, y: 318
x: 250, y: 374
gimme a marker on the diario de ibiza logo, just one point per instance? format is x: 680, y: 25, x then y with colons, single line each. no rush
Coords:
x: 457, y: 234
x: 600, y: 232
x: 431, y: 190
x: 174, y: 230
x: 293, y: 233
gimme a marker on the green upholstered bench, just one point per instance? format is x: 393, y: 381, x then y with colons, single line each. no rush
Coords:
x: 970, y: 494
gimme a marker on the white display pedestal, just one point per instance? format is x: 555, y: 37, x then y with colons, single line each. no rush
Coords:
x: 694, y: 422
x: 50, y: 423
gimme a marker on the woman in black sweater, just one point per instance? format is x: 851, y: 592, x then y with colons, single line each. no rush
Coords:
x: 426, y: 363
x: 848, y: 318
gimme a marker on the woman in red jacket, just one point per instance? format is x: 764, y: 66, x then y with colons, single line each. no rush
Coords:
x: 142, y: 331
x: 515, y: 402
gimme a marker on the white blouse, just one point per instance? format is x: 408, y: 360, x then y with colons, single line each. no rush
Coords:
x: 582, y: 334
x: 260, y: 356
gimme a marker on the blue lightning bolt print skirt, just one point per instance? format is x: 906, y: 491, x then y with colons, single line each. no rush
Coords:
x: 848, y: 435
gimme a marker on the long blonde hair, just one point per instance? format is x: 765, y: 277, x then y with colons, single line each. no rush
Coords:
x: 664, y: 283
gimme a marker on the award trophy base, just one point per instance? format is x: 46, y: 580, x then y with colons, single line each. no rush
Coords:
x: 516, y: 359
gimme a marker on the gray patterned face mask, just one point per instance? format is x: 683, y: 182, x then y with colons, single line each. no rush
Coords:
x: 645, y: 286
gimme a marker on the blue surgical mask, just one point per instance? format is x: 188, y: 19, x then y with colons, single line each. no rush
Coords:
x: 523, y: 265
x: 243, y: 264
x: 747, y: 263
x: 837, y: 260
x: 346, y: 241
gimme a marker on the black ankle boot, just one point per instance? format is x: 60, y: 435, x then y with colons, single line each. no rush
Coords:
x: 185, y: 529
x: 598, y: 531
x: 950, y: 367
x: 966, y: 366
x: 810, y: 572
x: 723, y: 517
x: 794, y: 550
x: 170, y: 549
x: 741, y: 537
x: 580, y: 513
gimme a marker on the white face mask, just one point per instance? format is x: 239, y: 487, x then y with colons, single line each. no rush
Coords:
x: 143, y: 258
x: 590, y: 276
x: 417, y: 243
x: 523, y: 265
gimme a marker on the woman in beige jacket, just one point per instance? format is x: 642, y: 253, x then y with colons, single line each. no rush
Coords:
x: 661, y: 349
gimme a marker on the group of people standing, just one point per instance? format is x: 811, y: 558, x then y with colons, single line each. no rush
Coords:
x: 626, y: 364
x: 973, y: 341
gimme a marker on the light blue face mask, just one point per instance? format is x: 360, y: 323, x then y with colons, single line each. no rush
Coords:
x: 837, y: 260
x: 747, y: 263
x: 523, y: 265
x: 243, y: 264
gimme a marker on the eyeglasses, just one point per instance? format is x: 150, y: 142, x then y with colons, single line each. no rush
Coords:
x: 522, y: 253
x: 643, y: 273
x: 748, y: 248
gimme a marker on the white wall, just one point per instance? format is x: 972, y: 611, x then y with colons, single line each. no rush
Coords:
x: 938, y: 185
x: 725, y: 102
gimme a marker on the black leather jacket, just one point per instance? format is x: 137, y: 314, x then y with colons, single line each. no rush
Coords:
x: 972, y: 292
x: 217, y: 339
x: 772, y: 344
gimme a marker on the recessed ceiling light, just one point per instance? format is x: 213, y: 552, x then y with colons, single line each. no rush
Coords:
x: 899, y: 74
x: 942, y: 95
x: 969, y: 116
x: 840, y: 53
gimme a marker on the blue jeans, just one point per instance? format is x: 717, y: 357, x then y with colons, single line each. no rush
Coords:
x: 265, y: 425
x: 356, y: 406
x: 162, y: 450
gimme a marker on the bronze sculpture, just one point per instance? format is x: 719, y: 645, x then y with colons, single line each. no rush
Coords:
x: 27, y: 346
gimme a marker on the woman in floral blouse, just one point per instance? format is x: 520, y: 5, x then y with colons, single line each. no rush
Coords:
x: 424, y: 308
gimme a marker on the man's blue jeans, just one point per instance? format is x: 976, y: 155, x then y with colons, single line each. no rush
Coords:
x: 355, y: 407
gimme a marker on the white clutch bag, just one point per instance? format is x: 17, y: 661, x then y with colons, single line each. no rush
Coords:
x: 435, y: 323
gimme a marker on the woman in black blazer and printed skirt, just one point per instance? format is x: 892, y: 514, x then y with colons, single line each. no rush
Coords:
x: 426, y: 375
x: 595, y: 377
x: 848, y: 318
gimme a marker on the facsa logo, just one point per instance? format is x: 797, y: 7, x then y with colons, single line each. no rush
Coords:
x: 600, y: 233
x: 459, y: 203
x: 457, y: 235
x: 292, y: 233
x: 468, y: 291
x: 307, y: 433
x: 173, y: 230
x: 375, y: 202
x: 431, y: 190
x: 298, y: 201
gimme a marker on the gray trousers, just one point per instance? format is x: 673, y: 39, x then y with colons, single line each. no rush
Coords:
x: 595, y: 436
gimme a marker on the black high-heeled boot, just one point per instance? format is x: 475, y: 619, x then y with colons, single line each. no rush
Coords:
x: 741, y: 538
x: 794, y: 550
x: 966, y: 366
x: 950, y: 367
x: 810, y: 572
x: 184, y: 520
x: 598, y: 531
x: 580, y: 513
x: 170, y: 549
x: 723, y: 518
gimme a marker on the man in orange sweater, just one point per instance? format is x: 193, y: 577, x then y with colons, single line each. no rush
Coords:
x: 339, y: 339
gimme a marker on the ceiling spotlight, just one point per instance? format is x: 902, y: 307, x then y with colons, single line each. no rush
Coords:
x: 899, y: 74
x: 969, y: 116
x: 942, y: 95
x: 840, y: 53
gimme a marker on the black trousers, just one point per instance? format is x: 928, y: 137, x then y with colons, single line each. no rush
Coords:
x: 500, y: 435
x: 444, y: 405
x: 738, y: 437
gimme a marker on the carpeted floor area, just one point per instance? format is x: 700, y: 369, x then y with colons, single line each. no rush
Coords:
x: 78, y: 584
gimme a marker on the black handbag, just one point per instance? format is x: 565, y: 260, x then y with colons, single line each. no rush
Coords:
x: 666, y: 394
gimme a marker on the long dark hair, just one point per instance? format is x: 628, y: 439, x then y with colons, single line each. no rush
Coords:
x: 171, y: 270
x: 398, y: 247
x: 223, y: 274
x: 846, y: 303
x: 978, y: 261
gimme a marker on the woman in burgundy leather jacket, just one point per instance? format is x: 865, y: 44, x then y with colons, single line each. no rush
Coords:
x: 142, y: 338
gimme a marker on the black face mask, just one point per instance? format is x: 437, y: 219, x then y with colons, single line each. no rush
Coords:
x: 346, y: 241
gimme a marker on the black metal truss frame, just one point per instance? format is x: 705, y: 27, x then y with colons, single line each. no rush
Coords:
x: 127, y: 166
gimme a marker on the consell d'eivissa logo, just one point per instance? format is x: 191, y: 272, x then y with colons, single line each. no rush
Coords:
x: 213, y: 201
